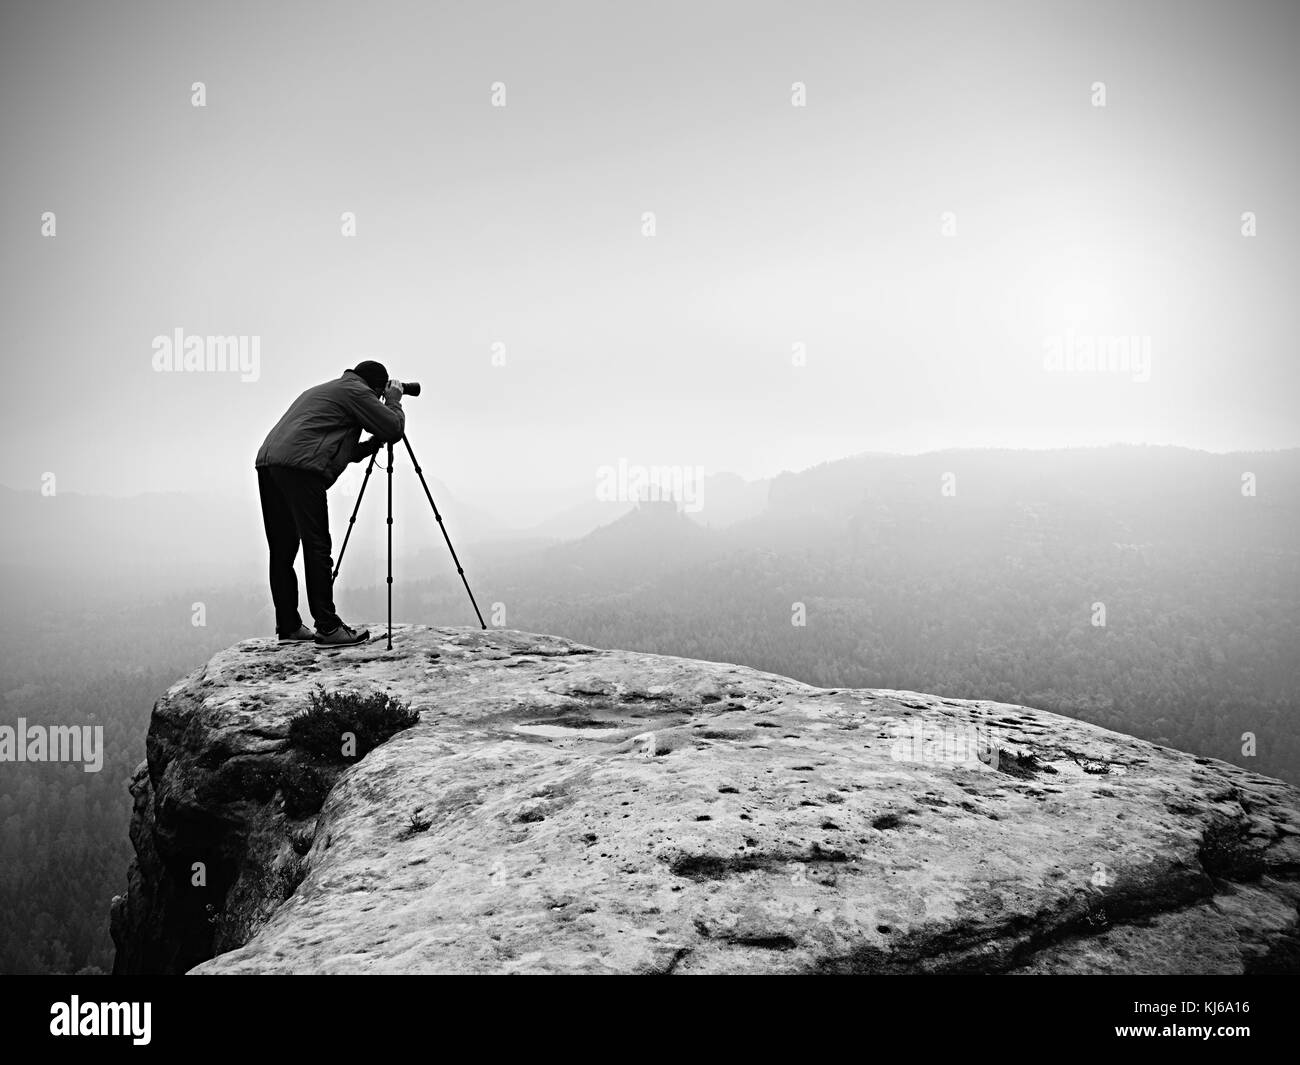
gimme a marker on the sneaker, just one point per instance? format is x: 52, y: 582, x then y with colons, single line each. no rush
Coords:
x: 343, y: 636
x: 303, y: 635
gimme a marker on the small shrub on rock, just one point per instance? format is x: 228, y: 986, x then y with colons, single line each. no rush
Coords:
x: 372, y: 718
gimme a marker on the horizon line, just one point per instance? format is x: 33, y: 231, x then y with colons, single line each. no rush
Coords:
x: 781, y: 473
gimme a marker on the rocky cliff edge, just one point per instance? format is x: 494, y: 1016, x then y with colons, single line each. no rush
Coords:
x: 563, y: 809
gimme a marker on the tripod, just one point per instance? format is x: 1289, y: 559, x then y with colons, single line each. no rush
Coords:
x: 429, y: 495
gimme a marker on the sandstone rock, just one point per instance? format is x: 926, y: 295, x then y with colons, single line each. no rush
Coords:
x: 564, y: 809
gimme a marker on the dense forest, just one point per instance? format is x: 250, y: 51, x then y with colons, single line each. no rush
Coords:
x: 967, y: 574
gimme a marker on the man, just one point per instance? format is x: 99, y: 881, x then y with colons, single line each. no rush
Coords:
x: 302, y: 457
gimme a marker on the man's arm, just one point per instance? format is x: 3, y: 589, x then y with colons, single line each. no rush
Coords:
x: 387, y: 422
x: 363, y: 449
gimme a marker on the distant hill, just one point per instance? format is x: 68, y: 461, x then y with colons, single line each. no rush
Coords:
x: 724, y: 499
x: 580, y: 519
x: 652, y: 538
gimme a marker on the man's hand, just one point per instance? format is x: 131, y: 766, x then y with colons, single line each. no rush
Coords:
x: 393, y: 393
x: 368, y: 447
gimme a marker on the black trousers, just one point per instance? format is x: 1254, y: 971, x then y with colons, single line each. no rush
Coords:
x: 294, y: 511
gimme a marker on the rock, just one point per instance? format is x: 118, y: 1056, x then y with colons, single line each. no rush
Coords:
x: 563, y: 809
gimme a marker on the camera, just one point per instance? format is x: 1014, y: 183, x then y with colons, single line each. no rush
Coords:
x: 410, y: 388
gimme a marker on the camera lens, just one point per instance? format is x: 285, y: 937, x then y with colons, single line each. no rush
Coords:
x: 411, y: 388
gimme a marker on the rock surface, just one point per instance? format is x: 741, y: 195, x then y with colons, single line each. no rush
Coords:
x: 564, y: 809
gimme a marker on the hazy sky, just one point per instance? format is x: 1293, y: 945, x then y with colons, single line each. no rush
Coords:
x: 522, y: 225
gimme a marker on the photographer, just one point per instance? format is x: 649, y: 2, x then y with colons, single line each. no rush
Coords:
x: 300, y: 459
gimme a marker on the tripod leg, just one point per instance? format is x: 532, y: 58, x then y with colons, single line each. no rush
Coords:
x: 352, y: 520
x: 390, y: 547
x: 416, y: 463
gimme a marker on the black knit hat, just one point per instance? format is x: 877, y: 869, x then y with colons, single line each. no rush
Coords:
x: 373, y: 373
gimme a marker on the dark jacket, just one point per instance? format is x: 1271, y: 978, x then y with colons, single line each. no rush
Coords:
x: 321, y: 430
